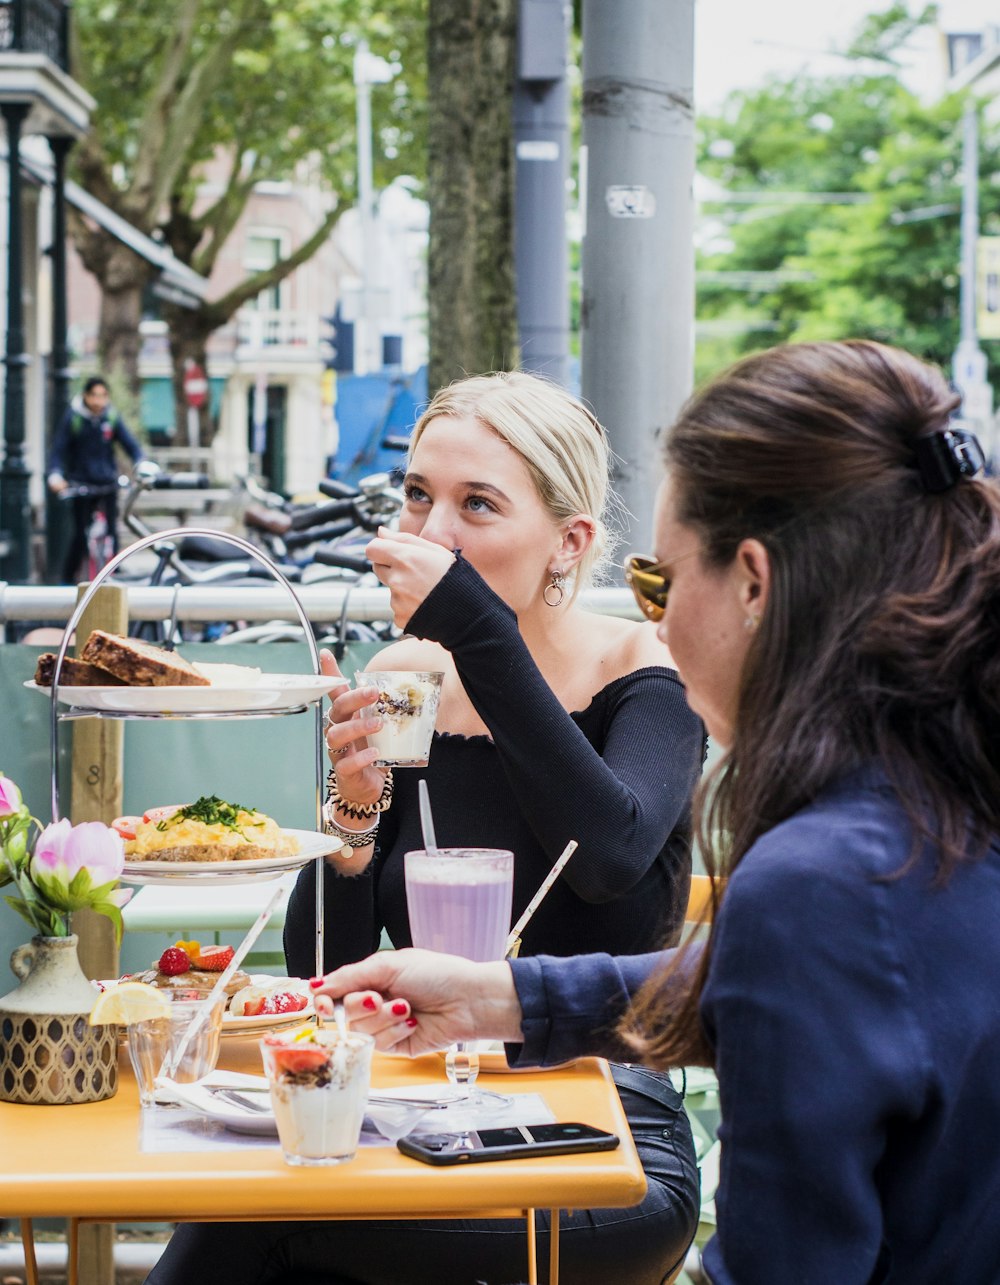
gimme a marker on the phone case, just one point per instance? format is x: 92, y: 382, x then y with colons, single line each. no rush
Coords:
x: 437, y: 1148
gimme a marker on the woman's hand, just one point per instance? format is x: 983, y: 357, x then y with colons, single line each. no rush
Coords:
x: 409, y: 567
x: 414, y: 1001
x: 347, y: 725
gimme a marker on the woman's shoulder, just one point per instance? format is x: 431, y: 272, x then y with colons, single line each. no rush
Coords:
x: 626, y: 646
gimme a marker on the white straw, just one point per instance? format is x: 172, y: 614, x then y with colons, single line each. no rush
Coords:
x: 537, y: 899
x: 426, y: 819
x: 219, y: 989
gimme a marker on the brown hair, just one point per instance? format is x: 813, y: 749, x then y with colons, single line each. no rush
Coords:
x: 880, y: 636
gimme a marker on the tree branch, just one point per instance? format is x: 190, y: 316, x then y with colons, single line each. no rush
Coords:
x: 222, y: 309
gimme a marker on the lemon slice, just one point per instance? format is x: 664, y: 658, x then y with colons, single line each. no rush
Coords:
x: 127, y: 1003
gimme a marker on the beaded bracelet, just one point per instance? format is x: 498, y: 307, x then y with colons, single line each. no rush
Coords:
x: 358, y: 811
x: 350, y: 839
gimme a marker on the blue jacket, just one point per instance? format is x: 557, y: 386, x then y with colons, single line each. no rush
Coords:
x: 854, y: 1012
x: 83, y: 448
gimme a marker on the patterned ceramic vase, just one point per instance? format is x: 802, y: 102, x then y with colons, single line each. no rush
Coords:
x: 49, y: 1052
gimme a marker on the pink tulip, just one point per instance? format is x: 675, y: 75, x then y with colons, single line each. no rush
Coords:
x: 10, y: 797
x: 62, y: 851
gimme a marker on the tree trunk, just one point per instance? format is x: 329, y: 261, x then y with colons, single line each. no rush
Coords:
x: 123, y: 279
x: 188, y: 342
x: 472, y: 304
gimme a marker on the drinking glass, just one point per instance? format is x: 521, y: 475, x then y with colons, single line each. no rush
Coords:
x: 407, y: 703
x: 459, y: 902
x: 152, y: 1044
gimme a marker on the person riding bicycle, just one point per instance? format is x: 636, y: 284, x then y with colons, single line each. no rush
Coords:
x: 83, y: 454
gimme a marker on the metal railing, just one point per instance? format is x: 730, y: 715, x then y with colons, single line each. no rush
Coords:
x: 36, y: 27
x: 323, y: 603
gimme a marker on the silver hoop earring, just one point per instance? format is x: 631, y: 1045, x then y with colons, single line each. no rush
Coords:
x: 556, y: 585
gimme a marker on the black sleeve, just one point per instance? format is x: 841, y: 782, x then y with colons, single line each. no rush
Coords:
x: 127, y: 442
x: 620, y: 807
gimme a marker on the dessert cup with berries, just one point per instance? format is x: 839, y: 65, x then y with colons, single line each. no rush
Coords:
x: 319, y: 1090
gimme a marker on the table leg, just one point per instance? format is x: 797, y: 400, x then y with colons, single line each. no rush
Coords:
x: 529, y: 1215
x: 73, y: 1252
x: 553, y: 1247
x: 28, y: 1245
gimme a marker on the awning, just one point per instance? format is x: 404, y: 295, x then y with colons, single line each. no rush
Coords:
x: 177, y: 282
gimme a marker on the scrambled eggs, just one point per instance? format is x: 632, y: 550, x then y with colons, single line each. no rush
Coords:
x: 229, y: 830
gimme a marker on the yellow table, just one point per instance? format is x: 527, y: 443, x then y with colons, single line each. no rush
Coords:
x: 84, y: 1163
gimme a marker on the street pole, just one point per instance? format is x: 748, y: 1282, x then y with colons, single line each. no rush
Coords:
x: 368, y: 70
x: 637, y: 312
x: 15, y: 508
x: 56, y: 526
x: 969, y: 363
x: 541, y: 155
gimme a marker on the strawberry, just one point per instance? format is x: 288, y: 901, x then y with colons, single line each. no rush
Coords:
x: 299, y: 1057
x: 285, y: 1002
x: 215, y: 958
x: 254, y: 1006
x: 174, y: 961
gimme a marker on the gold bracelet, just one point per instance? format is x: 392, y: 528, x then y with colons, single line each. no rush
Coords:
x: 358, y: 811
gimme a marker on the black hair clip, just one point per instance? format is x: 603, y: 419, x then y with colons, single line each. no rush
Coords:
x: 945, y: 456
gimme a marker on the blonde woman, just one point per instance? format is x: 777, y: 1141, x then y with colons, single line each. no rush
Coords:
x: 555, y: 723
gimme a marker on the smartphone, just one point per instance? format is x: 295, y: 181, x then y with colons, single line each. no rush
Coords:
x: 505, y: 1144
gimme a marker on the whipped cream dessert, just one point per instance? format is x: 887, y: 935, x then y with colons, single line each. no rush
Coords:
x: 407, y: 704
x: 319, y: 1091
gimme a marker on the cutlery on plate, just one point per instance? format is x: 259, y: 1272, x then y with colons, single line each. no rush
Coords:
x: 240, y: 1100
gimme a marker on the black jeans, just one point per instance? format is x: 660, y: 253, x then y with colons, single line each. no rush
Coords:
x: 640, y: 1246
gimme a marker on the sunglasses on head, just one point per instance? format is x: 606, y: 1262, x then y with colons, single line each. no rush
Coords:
x: 644, y: 576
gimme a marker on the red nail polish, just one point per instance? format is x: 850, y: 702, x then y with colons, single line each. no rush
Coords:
x: 369, y: 1003
x: 411, y: 1021
x: 315, y: 982
x: 400, y: 1007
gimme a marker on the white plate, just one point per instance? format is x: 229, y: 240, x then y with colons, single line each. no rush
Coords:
x: 311, y: 845
x: 233, y: 1025
x: 270, y: 692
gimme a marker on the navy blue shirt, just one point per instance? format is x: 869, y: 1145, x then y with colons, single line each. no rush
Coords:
x: 854, y: 1012
x: 83, y: 447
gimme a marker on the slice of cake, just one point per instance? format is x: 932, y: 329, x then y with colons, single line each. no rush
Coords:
x: 74, y: 673
x: 140, y: 664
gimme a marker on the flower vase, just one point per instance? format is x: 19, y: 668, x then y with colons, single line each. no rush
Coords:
x: 49, y: 1052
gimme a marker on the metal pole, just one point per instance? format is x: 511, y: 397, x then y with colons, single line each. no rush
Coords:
x: 55, y: 513
x: 637, y: 309
x: 362, y: 83
x: 15, y: 509
x: 541, y: 151
x: 969, y: 368
x: 970, y: 221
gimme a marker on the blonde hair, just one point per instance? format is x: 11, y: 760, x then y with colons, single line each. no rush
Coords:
x: 562, y: 444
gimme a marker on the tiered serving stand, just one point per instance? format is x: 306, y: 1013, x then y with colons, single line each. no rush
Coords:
x: 316, y: 846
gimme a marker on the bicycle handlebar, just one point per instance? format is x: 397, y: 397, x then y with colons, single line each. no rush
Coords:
x: 318, y: 513
x: 338, y: 490
x: 180, y: 481
x: 349, y: 562
x: 331, y: 531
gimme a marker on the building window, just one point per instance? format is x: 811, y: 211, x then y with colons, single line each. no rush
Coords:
x: 263, y: 251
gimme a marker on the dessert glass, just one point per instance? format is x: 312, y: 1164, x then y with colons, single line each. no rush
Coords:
x: 319, y: 1092
x: 407, y: 704
x: 153, y: 1044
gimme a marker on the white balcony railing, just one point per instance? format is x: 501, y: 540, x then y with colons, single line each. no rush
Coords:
x: 259, y: 329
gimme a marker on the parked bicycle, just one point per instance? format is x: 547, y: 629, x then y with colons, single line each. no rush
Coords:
x: 101, y: 544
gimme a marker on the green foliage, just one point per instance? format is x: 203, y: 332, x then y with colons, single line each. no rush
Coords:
x: 885, y: 267
x: 263, y: 89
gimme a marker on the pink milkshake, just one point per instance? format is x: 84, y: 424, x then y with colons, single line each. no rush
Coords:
x: 459, y: 900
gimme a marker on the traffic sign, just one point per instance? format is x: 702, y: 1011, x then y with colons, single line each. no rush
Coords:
x: 195, y: 385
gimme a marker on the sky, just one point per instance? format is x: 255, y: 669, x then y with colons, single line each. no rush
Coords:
x: 739, y: 42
